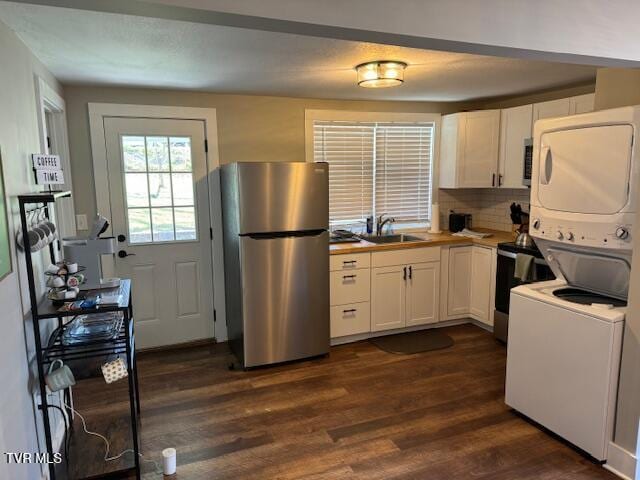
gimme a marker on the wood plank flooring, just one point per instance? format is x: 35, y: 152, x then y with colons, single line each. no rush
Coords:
x: 361, y: 413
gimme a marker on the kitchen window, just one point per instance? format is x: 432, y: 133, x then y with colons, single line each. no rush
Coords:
x: 376, y: 167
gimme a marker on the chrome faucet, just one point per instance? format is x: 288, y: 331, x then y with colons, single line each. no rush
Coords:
x: 381, y: 223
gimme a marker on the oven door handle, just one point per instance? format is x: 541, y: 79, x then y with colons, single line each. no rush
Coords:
x: 502, y: 253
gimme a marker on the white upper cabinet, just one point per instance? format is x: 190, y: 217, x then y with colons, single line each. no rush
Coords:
x: 469, y: 149
x: 552, y: 108
x: 582, y: 103
x: 515, y: 127
x: 564, y: 106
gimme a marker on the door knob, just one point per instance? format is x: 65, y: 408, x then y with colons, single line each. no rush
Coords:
x: 123, y: 254
x: 121, y: 238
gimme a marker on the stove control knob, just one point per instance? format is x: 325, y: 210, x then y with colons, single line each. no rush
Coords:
x: 622, y: 233
x: 569, y: 236
x: 559, y: 235
x: 536, y: 223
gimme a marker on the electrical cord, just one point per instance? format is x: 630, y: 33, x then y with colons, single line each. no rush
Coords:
x: 66, y: 432
x: 107, y: 458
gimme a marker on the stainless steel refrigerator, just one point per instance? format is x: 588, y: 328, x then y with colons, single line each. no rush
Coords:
x: 275, y: 219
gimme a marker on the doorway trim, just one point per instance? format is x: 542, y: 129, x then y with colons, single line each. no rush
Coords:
x: 97, y: 113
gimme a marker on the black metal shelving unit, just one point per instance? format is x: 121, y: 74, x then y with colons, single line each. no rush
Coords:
x: 53, y: 348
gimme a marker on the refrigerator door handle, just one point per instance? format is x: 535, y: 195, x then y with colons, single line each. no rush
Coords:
x: 274, y: 235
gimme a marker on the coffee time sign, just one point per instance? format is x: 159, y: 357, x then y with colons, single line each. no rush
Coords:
x: 48, y: 169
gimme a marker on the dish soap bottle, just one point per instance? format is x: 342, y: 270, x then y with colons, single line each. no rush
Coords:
x: 370, y: 225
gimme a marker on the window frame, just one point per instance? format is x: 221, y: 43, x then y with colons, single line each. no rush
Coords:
x: 312, y: 115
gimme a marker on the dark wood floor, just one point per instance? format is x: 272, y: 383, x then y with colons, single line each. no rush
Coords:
x: 359, y: 414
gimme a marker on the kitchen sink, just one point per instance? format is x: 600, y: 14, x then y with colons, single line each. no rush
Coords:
x: 399, y: 238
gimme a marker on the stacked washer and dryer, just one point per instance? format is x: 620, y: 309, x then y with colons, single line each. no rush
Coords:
x: 565, y: 336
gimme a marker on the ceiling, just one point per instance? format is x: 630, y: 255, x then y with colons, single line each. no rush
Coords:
x: 85, y: 47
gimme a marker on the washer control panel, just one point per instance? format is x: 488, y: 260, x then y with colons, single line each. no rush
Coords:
x: 589, y: 234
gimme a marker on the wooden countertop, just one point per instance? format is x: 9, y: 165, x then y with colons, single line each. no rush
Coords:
x: 430, y: 240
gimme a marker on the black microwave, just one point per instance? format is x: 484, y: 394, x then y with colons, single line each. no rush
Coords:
x: 528, y: 161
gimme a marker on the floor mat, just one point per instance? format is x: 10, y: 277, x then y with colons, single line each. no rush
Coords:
x: 413, y: 342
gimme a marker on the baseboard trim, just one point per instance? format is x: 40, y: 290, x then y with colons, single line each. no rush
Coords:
x: 365, y: 336
x: 621, y: 462
x: 179, y: 346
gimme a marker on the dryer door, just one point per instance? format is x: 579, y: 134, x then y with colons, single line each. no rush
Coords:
x: 585, y: 170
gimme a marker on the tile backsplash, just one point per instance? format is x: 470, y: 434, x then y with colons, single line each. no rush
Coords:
x: 488, y: 206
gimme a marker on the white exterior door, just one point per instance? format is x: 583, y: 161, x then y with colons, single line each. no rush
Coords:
x: 160, y: 206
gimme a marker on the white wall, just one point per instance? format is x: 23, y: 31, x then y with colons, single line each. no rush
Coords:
x: 19, y: 137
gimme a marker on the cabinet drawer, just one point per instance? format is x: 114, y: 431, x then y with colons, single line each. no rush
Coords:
x: 350, y: 287
x: 349, y: 319
x: 405, y: 256
x: 349, y: 261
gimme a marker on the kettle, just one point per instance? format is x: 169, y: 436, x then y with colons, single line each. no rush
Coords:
x: 524, y: 239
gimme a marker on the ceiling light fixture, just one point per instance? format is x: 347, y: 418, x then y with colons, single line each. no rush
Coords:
x: 381, y: 74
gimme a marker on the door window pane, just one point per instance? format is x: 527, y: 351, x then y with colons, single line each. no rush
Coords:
x: 133, y: 152
x: 182, y: 189
x: 158, y: 154
x: 162, y: 219
x: 139, y: 225
x: 181, y: 154
x: 160, y: 189
x: 158, y: 174
x: 185, y: 218
x: 137, y: 193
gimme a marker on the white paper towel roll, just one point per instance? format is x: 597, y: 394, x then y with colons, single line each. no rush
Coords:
x: 169, y: 461
x: 435, y: 219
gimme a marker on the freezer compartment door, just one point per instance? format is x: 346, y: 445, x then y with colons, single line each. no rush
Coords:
x: 283, y: 197
x: 285, y: 295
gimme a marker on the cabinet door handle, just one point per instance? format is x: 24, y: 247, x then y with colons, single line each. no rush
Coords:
x: 410, y: 272
x: 349, y: 310
x: 348, y: 262
x: 500, y: 180
x: 493, y: 180
x: 347, y: 277
x: 404, y: 275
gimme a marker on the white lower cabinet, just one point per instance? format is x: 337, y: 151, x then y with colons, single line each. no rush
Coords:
x: 423, y: 293
x: 459, y: 281
x: 480, y: 301
x: 349, y: 319
x: 350, y: 291
x: 469, y: 281
x: 388, y: 290
x: 406, y: 294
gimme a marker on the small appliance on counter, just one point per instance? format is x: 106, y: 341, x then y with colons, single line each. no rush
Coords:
x: 459, y: 221
x: 88, y: 252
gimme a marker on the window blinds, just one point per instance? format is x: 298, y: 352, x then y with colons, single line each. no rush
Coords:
x: 376, y: 168
x: 403, y: 172
x: 348, y: 149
